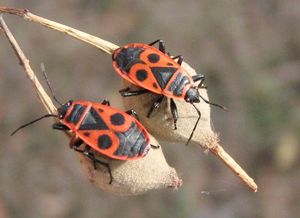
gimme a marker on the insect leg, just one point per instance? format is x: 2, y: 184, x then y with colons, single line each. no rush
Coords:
x: 174, y: 112
x: 180, y: 59
x: 75, y: 143
x: 201, y: 78
x: 198, y: 77
x: 161, y: 45
x: 60, y: 126
x: 155, y: 105
x: 128, y: 93
x: 105, y: 102
x: 90, y: 155
x: 155, y: 146
x: 133, y: 113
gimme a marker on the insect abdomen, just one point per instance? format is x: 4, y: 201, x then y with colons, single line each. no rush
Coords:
x: 178, y: 84
x: 132, y: 142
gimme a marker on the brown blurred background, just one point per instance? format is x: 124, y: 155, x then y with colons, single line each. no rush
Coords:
x: 249, y: 52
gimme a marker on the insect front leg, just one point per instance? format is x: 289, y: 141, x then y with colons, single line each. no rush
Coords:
x: 60, y: 126
x: 201, y: 78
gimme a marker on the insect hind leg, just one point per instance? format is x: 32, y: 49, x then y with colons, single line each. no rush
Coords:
x: 76, y: 143
x: 155, y: 104
x: 90, y: 155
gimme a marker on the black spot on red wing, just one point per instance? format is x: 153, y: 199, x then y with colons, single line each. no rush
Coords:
x: 92, y: 121
x: 104, y: 141
x: 163, y: 74
x: 153, y: 58
x: 155, y: 85
x: 141, y: 75
x: 169, y: 64
x: 117, y: 119
x: 87, y: 134
x: 75, y: 114
x: 100, y: 110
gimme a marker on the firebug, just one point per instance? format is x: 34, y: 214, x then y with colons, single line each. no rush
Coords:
x: 155, y: 71
x: 103, y: 129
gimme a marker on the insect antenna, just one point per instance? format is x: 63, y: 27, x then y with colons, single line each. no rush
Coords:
x: 214, y: 104
x: 49, y: 85
x: 31, y: 122
x: 196, y: 124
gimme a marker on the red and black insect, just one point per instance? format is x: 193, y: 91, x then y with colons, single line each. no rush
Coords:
x: 103, y: 129
x: 156, y: 71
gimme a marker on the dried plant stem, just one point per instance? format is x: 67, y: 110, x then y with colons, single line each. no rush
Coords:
x: 103, y: 45
x: 24, y: 62
x: 108, y: 48
x: 234, y: 166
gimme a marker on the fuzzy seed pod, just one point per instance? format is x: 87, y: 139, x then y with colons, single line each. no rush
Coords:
x: 133, y: 177
x: 162, y: 117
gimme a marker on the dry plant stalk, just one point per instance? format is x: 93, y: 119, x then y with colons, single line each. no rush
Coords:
x: 204, y: 135
x: 103, y: 45
x: 129, y: 177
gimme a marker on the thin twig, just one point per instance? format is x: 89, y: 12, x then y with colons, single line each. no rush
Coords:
x: 24, y: 62
x: 108, y: 48
x: 233, y: 165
